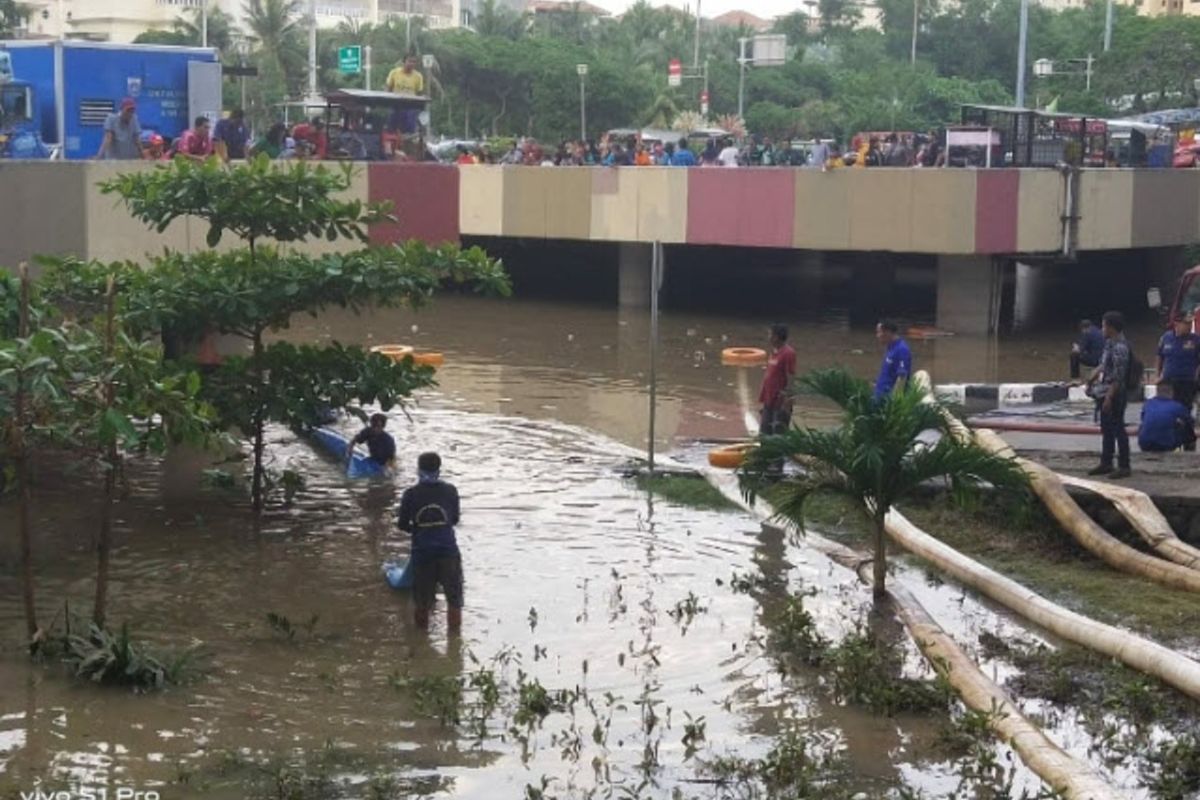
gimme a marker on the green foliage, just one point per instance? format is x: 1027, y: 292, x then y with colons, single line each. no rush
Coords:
x: 875, y: 457
x: 789, y: 770
x: 115, y: 659
x: 250, y: 291
x: 255, y: 200
x: 1176, y: 768
x: 866, y: 672
x: 794, y: 633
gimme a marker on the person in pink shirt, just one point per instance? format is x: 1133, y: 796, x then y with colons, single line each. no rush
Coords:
x: 195, y: 143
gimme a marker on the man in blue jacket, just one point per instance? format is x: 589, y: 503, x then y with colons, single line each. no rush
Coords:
x: 429, y: 511
x: 897, y: 363
x: 1166, y: 424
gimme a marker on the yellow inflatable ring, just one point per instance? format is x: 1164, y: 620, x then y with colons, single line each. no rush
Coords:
x: 396, y: 352
x: 429, y: 359
x: 730, y: 456
x: 743, y: 356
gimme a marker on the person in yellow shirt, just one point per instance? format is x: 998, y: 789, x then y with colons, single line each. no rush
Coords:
x: 405, y: 79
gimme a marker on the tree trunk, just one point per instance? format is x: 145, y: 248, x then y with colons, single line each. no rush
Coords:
x: 256, y: 491
x: 879, y: 589
x: 103, y: 541
x: 100, y: 604
x: 24, y: 532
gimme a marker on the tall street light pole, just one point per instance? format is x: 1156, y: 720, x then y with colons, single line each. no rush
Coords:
x: 312, y: 49
x: 742, y: 61
x: 582, y: 69
x: 1022, y: 42
x: 696, y: 46
x: 204, y: 23
x: 916, y: 19
x: 407, y: 26
x: 1108, y: 23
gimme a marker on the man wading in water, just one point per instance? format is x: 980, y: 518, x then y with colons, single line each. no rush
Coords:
x: 429, y: 511
x: 379, y: 442
x: 774, y: 397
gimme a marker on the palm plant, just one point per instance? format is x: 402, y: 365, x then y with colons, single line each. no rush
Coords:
x: 877, y: 457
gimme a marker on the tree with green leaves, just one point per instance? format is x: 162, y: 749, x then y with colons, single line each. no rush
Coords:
x: 255, y: 290
x: 877, y: 457
x: 95, y: 394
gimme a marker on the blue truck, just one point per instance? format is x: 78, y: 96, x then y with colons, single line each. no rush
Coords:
x: 60, y: 92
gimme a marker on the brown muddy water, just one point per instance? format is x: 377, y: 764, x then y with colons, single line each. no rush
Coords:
x: 572, y: 578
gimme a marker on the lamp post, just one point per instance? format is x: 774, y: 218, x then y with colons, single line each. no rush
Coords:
x: 204, y: 23
x: 742, y: 61
x: 582, y: 71
x: 1108, y: 23
x: 312, y: 51
x: 696, y: 45
x: 916, y: 18
x: 1022, y: 41
x: 427, y: 61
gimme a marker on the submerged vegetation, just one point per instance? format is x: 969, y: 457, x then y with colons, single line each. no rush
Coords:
x: 684, y: 490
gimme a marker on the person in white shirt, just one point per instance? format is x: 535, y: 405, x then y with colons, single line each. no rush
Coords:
x: 728, y: 155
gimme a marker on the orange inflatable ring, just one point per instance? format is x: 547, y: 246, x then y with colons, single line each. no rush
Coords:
x: 927, y: 332
x: 743, y: 356
x: 429, y: 359
x: 730, y: 456
x: 396, y: 352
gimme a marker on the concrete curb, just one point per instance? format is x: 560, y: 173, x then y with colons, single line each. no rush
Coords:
x: 1015, y: 394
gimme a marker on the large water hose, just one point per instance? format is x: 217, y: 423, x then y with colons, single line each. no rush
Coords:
x: 1132, y: 650
x: 1179, y: 572
x: 1060, y: 770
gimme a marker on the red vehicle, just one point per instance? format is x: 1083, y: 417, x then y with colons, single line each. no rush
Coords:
x: 1187, y: 297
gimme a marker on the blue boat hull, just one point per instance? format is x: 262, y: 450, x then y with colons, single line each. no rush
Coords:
x: 335, y: 444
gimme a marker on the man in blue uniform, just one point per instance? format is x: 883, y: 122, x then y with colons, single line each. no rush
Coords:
x: 1109, y: 386
x: 1166, y: 424
x: 897, y: 359
x: 1088, y: 349
x: 1179, y: 360
x: 429, y: 511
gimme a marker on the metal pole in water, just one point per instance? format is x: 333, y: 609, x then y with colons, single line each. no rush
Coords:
x: 656, y: 257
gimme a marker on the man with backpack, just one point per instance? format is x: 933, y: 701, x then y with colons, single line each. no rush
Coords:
x: 1109, y: 386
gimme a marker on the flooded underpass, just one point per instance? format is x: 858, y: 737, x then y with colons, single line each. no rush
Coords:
x: 621, y: 605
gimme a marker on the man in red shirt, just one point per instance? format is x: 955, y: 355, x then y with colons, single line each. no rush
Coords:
x: 774, y: 396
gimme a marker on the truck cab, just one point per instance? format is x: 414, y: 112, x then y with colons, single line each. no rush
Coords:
x: 19, y: 128
x: 1187, y: 297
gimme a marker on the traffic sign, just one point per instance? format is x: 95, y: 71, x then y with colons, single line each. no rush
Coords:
x: 350, y: 60
x: 674, y: 72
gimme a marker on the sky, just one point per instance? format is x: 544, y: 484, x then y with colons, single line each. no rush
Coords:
x: 712, y: 8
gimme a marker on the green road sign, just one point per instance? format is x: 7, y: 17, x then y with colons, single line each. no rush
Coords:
x: 350, y: 60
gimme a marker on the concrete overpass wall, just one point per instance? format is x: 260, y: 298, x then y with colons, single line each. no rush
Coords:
x: 58, y: 208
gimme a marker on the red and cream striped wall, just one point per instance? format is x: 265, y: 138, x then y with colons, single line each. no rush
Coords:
x: 57, y: 208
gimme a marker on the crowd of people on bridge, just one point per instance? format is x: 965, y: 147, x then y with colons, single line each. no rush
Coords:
x: 882, y: 150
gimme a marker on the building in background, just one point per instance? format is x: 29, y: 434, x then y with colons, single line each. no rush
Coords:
x: 123, y: 20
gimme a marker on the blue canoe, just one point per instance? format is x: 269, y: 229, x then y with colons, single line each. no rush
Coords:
x: 335, y: 444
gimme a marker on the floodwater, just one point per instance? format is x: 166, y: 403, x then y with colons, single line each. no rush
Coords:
x: 574, y: 578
